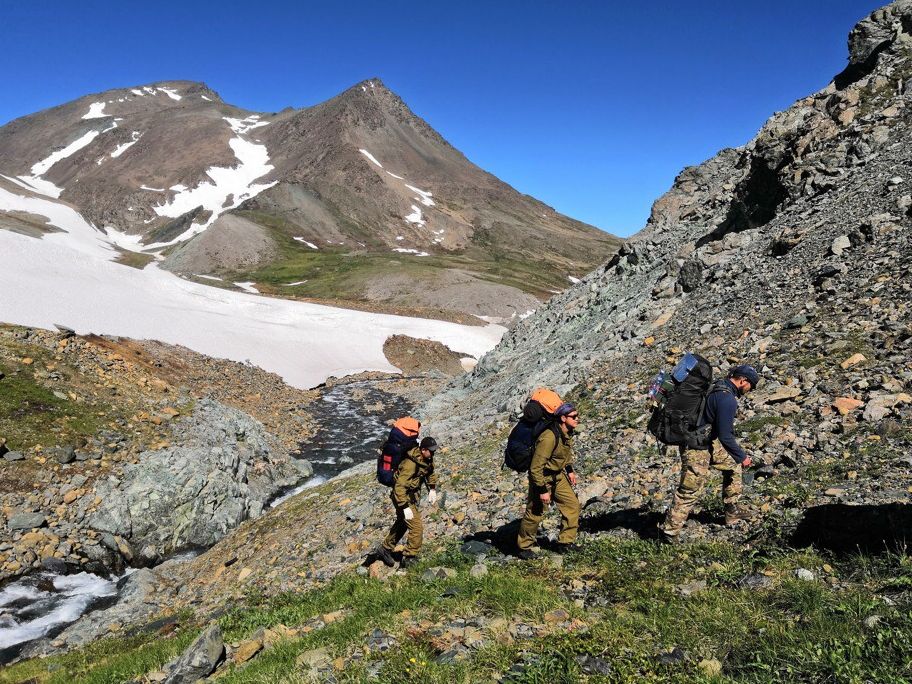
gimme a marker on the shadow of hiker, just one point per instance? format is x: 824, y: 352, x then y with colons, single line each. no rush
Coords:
x: 846, y: 528
x: 503, y: 538
x: 641, y: 521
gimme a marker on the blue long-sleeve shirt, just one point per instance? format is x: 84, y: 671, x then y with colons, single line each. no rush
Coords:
x: 720, y: 410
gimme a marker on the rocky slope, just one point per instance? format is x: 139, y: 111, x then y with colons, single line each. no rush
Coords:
x: 780, y: 269
x: 108, y: 458
x: 792, y: 253
x: 800, y: 236
x: 352, y: 198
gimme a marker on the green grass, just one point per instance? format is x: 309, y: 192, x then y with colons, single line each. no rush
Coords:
x: 108, y: 661
x: 30, y: 413
x: 794, y: 631
x: 338, y: 274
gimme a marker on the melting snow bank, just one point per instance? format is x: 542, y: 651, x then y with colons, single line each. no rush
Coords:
x: 39, y: 605
x: 69, y: 278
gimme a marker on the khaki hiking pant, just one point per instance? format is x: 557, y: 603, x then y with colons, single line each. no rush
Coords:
x: 564, y: 498
x: 695, y: 467
x: 414, y: 527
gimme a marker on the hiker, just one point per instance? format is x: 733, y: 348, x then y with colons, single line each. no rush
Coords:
x: 551, y: 479
x: 724, y: 454
x: 415, y: 470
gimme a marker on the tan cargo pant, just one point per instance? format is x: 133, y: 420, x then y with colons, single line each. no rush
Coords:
x: 414, y: 527
x: 564, y: 497
x: 695, y: 466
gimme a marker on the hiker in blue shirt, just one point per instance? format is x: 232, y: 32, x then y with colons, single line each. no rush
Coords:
x: 724, y: 454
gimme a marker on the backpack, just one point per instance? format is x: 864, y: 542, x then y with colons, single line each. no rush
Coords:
x: 536, y: 418
x: 402, y: 439
x: 679, y: 401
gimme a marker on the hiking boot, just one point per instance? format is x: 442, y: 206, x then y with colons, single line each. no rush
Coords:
x: 407, y: 562
x: 565, y: 548
x: 666, y: 538
x: 386, y: 556
x: 735, y: 515
x: 526, y: 554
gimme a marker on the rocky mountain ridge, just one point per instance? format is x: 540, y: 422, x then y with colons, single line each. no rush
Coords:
x: 808, y: 213
x: 355, y: 198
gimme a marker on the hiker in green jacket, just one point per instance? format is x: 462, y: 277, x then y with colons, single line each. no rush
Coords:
x: 551, y: 478
x: 415, y: 470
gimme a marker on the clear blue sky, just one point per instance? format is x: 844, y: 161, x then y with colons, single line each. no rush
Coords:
x: 593, y: 107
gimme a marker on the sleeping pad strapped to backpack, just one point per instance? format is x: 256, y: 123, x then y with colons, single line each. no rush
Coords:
x: 402, y: 439
x: 537, y: 416
x: 680, y: 399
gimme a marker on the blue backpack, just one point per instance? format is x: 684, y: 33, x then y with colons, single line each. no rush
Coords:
x: 397, y: 445
x: 521, y: 442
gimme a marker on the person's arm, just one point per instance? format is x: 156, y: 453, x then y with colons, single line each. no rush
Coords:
x: 432, y: 480
x: 726, y: 406
x: 404, y: 473
x: 544, y: 447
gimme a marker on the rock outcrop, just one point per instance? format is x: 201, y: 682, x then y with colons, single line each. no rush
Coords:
x: 192, y: 494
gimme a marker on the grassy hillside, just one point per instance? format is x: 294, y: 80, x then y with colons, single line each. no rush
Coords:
x: 619, y: 610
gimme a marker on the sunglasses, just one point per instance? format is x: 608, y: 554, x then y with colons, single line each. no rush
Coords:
x: 575, y: 416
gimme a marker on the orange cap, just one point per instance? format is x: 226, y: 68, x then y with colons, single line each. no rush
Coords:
x: 549, y: 399
x: 408, y: 426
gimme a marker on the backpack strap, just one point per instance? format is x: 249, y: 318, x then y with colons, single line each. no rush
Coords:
x: 720, y: 386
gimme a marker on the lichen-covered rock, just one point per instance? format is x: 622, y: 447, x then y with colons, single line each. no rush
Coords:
x: 192, y: 494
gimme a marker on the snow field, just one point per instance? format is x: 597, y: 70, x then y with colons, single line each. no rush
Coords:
x: 70, y: 278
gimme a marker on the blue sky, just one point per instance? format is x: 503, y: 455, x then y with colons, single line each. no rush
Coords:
x: 592, y: 107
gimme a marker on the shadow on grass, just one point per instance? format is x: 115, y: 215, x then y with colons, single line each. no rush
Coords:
x: 503, y: 538
x: 844, y: 528
x: 641, y: 521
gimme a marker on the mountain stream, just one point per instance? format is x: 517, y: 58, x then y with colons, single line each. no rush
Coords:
x: 352, y: 420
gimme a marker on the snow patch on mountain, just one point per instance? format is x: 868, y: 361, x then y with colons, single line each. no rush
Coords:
x: 415, y: 216
x: 123, y: 147
x: 405, y: 250
x: 42, y: 167
x: 371, y: 157
x: 425, y: 198
x: 37, y: 185
x: 309, y: 244
x: 170, y: 92
x: 241, y: 126
x: 229, y: 187
x: 79, y: 236
x: 96, y: 111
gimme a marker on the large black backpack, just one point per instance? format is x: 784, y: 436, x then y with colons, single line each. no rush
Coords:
x: 521, y: 442
x: 680, y: 399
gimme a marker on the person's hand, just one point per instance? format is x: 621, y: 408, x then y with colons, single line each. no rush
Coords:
x: 572, y: 477
x: 407, y: 513
x: 545, y: 497
x: 432, y: 497
x: 747, y: 462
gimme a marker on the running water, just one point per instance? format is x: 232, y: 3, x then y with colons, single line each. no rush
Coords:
x: 43, y: 604
x: 352, y: 422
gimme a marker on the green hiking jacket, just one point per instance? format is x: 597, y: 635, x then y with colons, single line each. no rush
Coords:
x: 413, y: 471
x: 551, y: 456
